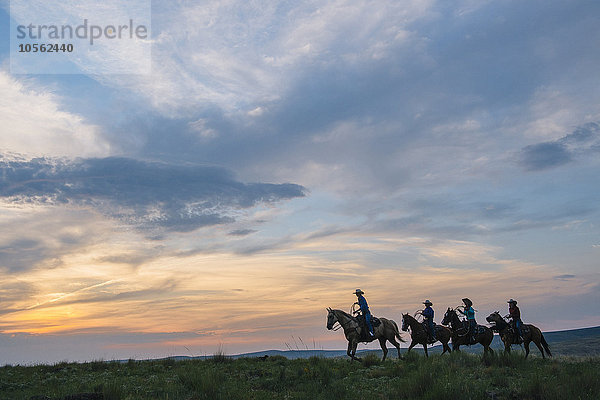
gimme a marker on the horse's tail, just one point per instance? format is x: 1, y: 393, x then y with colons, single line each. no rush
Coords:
x: 545, y: 344
x: 397, y: 332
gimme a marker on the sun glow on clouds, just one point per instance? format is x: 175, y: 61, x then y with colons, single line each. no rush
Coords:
x: 259, y: 301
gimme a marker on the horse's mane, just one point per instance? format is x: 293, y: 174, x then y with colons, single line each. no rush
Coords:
x: 500, y: 324
x: 411, y: 317
x: 346, y: 314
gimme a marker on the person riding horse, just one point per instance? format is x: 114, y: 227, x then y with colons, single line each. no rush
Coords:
x: 469, y: 312
x: 364, y: 309
x: 514, y: 314
x: 427, y: 314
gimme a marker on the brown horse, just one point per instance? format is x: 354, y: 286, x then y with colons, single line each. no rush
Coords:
x: 529, y: 332
x: 419, y: 335
x: 386, y: 331
x: 460, y: 335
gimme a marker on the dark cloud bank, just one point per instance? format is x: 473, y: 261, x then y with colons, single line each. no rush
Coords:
x: 146, y: 194
x: 584, y: 140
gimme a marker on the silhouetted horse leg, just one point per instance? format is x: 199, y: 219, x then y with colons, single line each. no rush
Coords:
x: 396, y: 345
x: 425, y: 348
x: 526, y: 344
x: 455, y: 346
x: 382, y: 342
x: 352, y: 351
x: 539, y: 346
x: 349, y: 352
x: 413, y: 343
x: 447, y: 348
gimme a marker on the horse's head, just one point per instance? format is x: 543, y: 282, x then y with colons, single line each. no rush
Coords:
x: 405, y: 322
x: 331, y: 318
x: 495, y: 318
x: 448, y: 316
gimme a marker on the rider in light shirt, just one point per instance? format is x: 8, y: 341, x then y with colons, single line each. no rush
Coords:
x: 469, y: 312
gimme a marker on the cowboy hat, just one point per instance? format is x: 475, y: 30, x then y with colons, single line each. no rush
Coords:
x: 427, y: 302
x: 512, y: 301
x: 358, y: 291
x: 467, y: 301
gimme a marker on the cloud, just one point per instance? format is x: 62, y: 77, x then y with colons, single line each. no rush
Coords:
x: 144, y: 194
x: 584, y: 140
x: 242, y: 232
x: 33, y: 122
x: 239, y: 55
x: 564, y: 277
x: 25, y: 242
x: 544, y: 155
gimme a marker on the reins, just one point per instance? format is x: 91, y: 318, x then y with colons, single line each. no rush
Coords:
x: 456, y: 320
x: 341, y: 324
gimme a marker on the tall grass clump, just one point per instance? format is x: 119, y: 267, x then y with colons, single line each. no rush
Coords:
x: 371, y: 359
x: 202, y: 383
x: 220, y: 357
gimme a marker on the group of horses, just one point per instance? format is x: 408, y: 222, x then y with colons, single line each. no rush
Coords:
x: 452, y: 328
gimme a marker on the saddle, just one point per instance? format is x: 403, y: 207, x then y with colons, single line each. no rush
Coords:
x: 515, y: 334
x: 479, y: 330
x: 364, y: 330
x: 430, y: 339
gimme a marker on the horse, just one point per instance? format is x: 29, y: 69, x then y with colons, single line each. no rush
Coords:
x: 419, y: 335
x: 460, y: 335
x: 386, y: 331
x: 509, y: 337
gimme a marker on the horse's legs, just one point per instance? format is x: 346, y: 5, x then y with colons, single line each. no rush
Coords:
x: 539, y: 346
x: 352, y: 350
x: 446, y: 347
x: 396, y: 345
x: 487, y: 349
x: 506, y: 345
x: 526, y: 344
x: 349, y: 352
x: 412, y: 344
x: 455, y: 346
x: 425, y: 348
x: 383, y: 348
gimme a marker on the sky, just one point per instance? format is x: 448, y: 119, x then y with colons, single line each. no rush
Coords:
x: 280, y: 155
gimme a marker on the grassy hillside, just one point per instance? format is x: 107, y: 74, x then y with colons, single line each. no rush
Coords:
x: 414, y: 377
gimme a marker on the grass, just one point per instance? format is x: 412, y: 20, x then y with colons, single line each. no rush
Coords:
x: 458, y: 375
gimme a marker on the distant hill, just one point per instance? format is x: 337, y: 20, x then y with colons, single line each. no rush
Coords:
x: 575, y: 342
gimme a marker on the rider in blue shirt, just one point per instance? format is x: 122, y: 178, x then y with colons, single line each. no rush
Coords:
x: 428, y: 315
x: 364, y: 308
